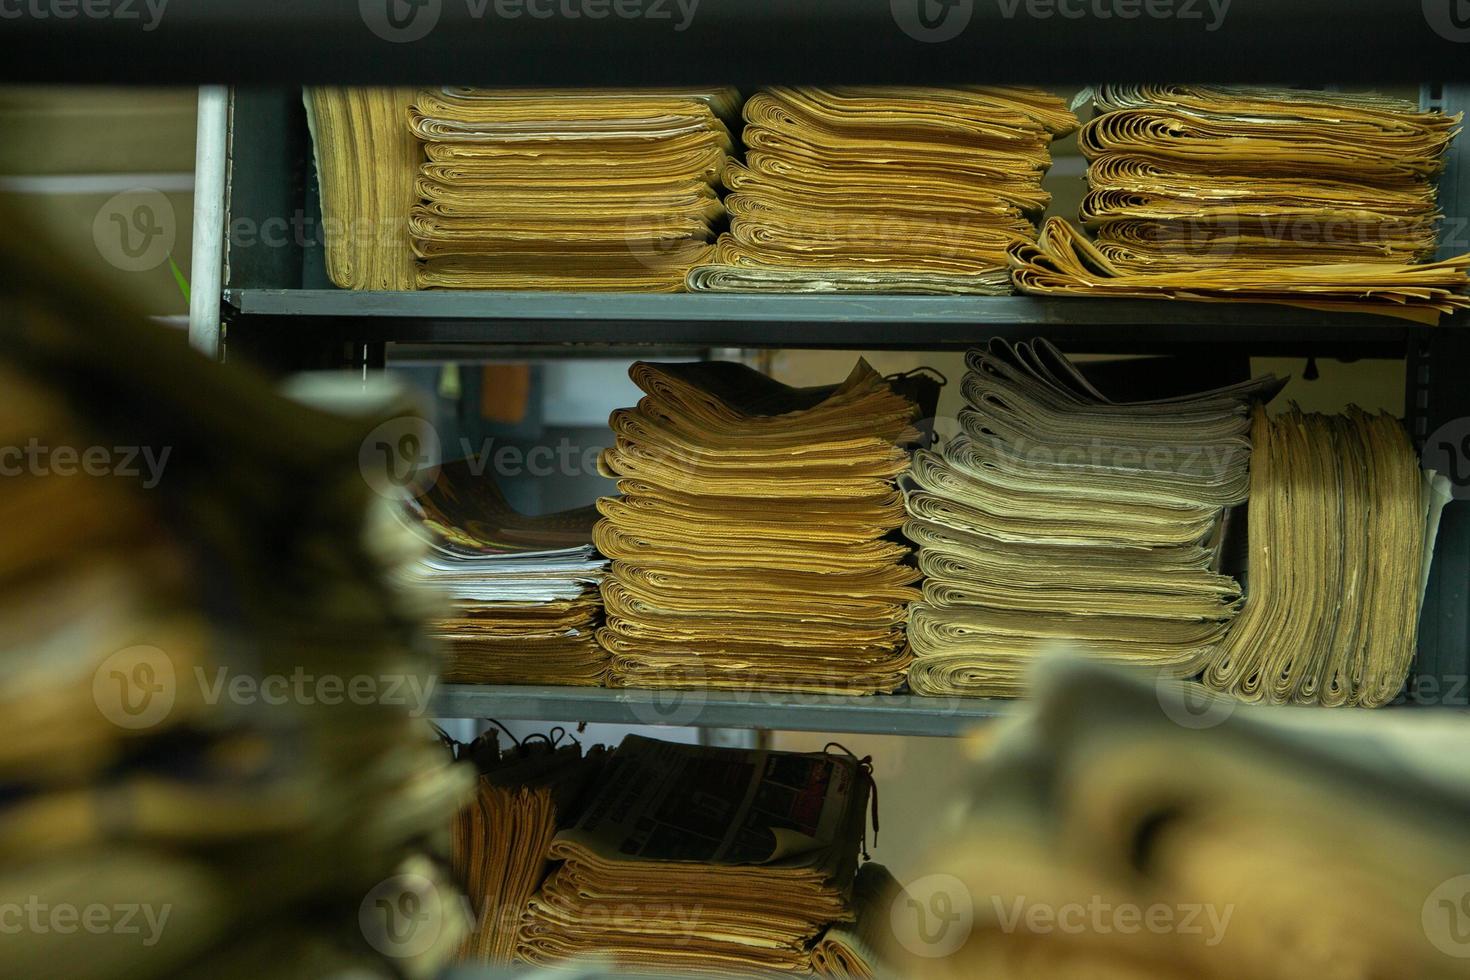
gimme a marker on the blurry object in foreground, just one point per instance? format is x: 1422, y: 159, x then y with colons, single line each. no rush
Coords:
x: 1058, y: 517
x: 884, y: 190
x: 1341, y: 529
x: 854, y: 950
x: 702, y: 861
x: 523, y: 590
x: 1064, y: 263
x: 751, y: 542
x: 525, y: 795
x: 536, y: 189
x: 366, y: 159
x: 1124, y: 828
x: 196, y: 582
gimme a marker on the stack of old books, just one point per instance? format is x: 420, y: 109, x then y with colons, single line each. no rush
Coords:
x: 699, y: 861
x: 890, y: 190
x: 523, y: 590
x: 1342, y: 526
x: 1215, y: 193
x: 751, y: 543
x: 526, y: 794
x: 208, y: 716
x: 1058, y: 518
x: 536, y: 189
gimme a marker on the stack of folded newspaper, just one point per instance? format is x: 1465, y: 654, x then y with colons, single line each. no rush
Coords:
x: 1247, y: 194
x: 751, y: 543
x: 891, y: 190
x: 525, y: 795
x: 699, y: 861
x: 1342, y: 529
x: 534, y: 189
x: 366, y: 160
x: 858, y: 950
x: 523, y: 590
x: 1059, y: 518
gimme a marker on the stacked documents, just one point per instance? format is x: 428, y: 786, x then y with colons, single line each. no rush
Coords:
x: 535, y: 189
x: 887, y: 190
x: 523, y: 590
x: 1058, y: 518
x: 1319, y: 199
x: 752, y: 543
x: 702, y: 861
x: 856, y: 950
x: 366, y: 159
x: 525, y: 795
x: 1342, y: 526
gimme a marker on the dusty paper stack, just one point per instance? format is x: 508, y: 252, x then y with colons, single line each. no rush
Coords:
x: 857, y: 950
x: 702, y: 861
x: 523, y: 590
x: 366, y: 160
x: 208, y: 715
x: 1319, y: 199
x: 751, y: 543
x: 1342, y: 527
x: 1112, y: 831
x: 525, y: 795
x: 888, y: 190
x: 1060, y: 518
x: 538, y: 189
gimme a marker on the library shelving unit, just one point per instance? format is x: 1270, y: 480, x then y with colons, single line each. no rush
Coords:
x: 270, y: 301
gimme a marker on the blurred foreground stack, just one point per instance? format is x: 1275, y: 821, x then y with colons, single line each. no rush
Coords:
x: 207, y: 716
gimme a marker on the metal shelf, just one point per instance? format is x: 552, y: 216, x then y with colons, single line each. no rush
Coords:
x: 871, y: 715
x: 813, y: 321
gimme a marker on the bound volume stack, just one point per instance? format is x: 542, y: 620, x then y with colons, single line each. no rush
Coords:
x: 1342, y: 522
x: 525, y: 795
x: 523, y: 590
x: 558, y: 190
x: 1060, y: 518
x: 700, y: 861
x: 751, y: 545
x: 1319, y: 199
x: 891, y: 190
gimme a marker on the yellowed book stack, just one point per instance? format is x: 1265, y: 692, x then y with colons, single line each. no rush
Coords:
x: 366, y: 160
x: 752, y: 545
x: 597, y: 190
x: 522, y: 590
x: 1320, y: 199
x: 1341, y: 524
x: 695, y: 861
x: 1060, y: 519
x: 887, y: 190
